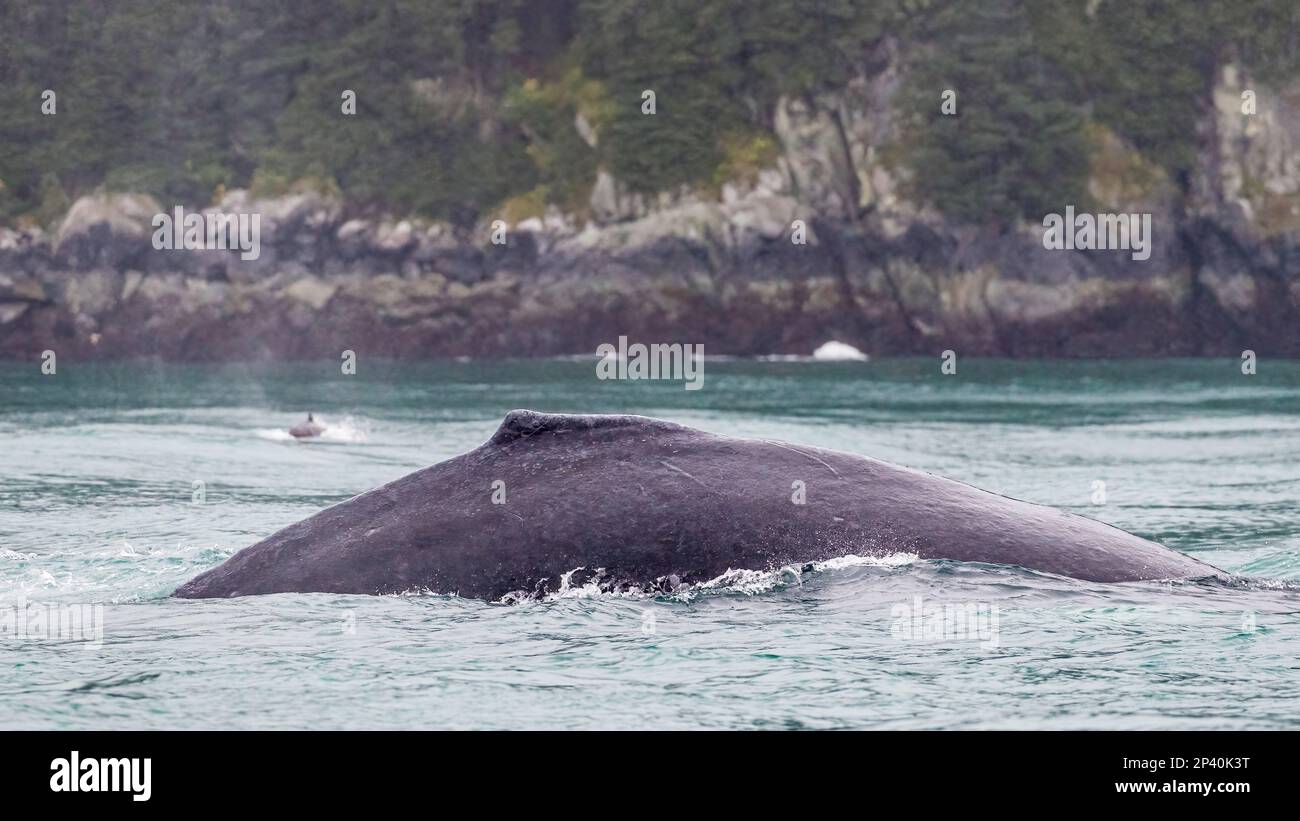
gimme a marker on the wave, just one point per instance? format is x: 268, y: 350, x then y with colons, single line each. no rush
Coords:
x: 584, y: 583
x: 833, y: 351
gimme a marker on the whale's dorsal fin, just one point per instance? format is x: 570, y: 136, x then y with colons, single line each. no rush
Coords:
x: 520, y: 424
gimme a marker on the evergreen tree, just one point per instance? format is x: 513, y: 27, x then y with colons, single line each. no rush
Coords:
x: 1015, y: 147
x: 463, y: 105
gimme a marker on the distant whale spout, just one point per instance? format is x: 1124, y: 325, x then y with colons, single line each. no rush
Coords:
x: 639, y: 500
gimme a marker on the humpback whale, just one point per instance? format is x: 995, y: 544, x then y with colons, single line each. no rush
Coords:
x: 307, y: 430
x: 639, y: 503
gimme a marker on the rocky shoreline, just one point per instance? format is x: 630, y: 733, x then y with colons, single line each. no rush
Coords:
x: 719, y: 268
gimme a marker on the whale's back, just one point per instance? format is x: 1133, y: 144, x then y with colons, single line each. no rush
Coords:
x: 641, y: 500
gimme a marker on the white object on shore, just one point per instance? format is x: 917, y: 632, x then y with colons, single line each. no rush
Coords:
x: 834, y: 351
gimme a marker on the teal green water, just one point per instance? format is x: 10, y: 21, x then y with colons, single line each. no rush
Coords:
x: 98, y: 465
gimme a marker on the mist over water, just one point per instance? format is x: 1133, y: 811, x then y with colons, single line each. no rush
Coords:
x: 98, y: 466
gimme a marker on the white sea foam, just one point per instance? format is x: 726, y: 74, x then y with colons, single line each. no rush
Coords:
x: 835, y: 351
x: 588, y: 590
x: 832, y: 351
x: 274, y: 434
x: 851, y: 560
x: 752, y: 582
x: 733, y: 581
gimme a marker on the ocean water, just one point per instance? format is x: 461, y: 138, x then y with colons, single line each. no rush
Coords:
x: 118, y: 482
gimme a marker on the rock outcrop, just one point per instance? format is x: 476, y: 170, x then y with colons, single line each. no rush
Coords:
x: 722, y: 268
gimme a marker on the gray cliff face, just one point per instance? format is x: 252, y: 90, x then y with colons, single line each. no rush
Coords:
x: 880, y: 271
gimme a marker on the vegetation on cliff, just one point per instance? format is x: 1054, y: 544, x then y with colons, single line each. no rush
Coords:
x: 469, y: 107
